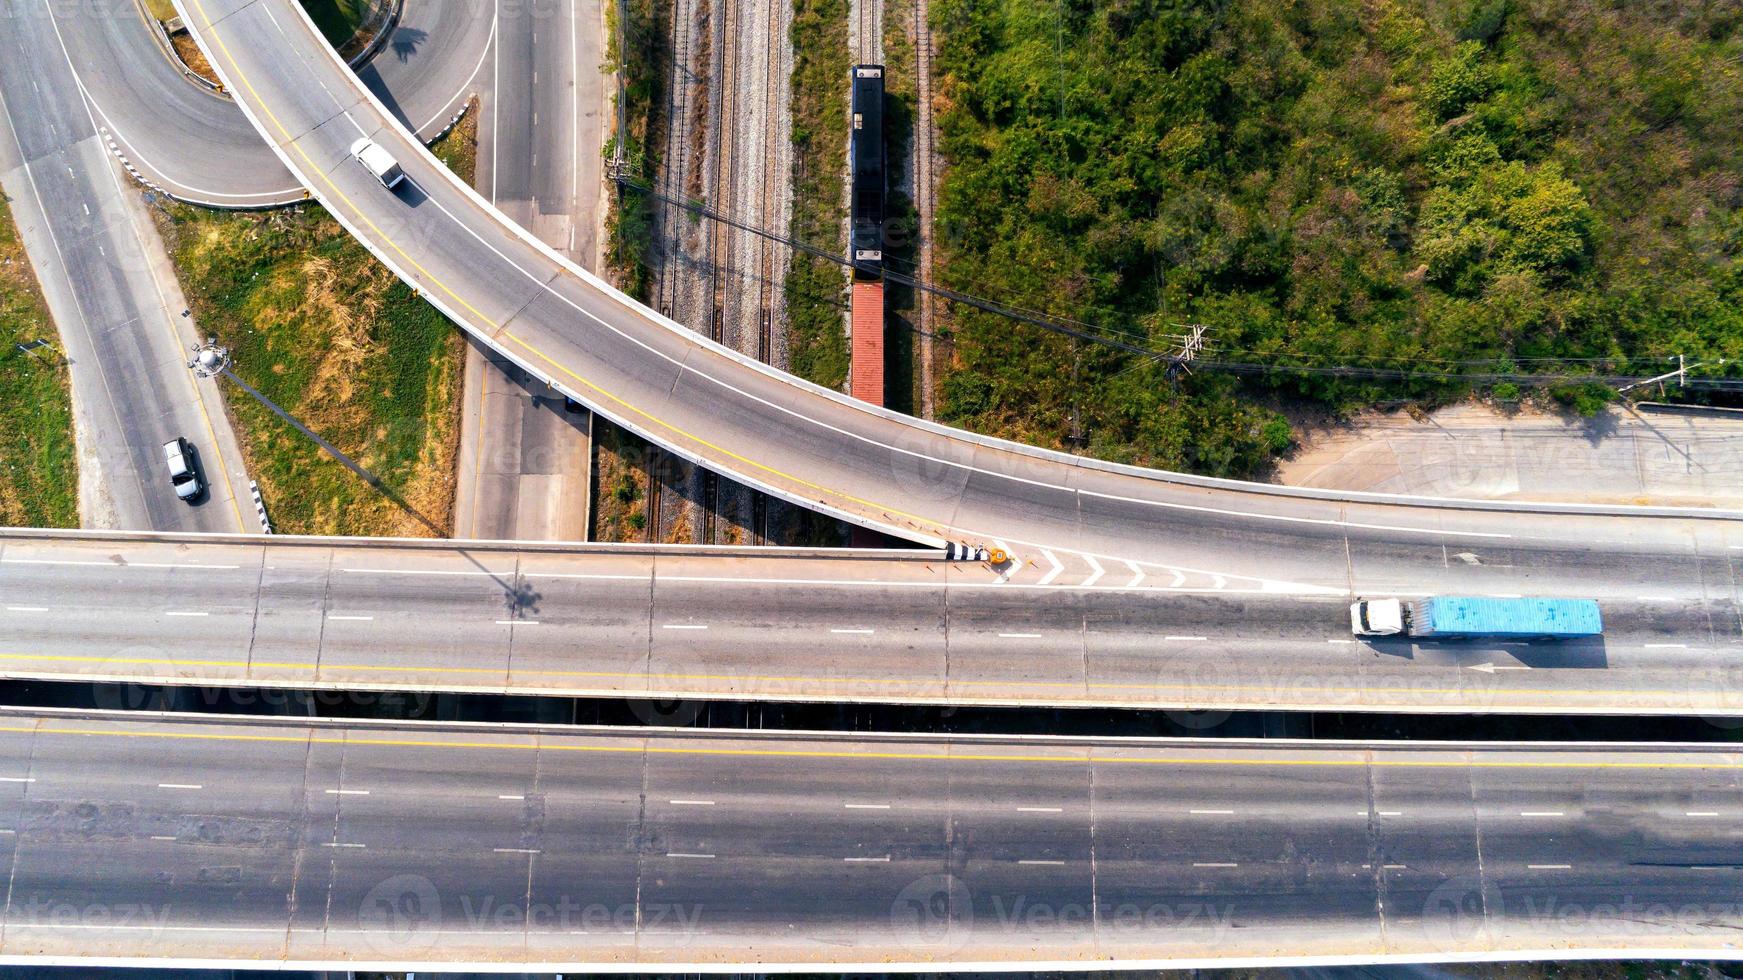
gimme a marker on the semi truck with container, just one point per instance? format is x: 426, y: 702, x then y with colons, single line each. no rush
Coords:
x: 1474, y: 617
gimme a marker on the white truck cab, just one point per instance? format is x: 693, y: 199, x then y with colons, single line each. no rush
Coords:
x: 378, y: 162
x: 1377, y: 617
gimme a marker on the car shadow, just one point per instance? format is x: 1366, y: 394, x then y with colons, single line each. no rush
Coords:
x: 410, y: 193
x: 199, y: 467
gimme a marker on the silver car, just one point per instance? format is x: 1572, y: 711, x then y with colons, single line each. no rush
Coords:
x: 179, y: 456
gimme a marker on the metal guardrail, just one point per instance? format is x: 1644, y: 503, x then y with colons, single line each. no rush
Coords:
x: 454, y: 544
x: 1675, y: 409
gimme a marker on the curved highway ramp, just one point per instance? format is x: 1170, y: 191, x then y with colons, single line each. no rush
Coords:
x: 369, y: 845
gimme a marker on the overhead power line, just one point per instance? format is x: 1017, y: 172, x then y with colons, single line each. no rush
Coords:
x: 1114, y: 337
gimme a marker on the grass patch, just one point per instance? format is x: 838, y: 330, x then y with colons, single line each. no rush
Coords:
x: 39, y: 480
x: 642, y: 62
x: 816, y: 288
x: 620, y: 494
x: 901, y: 218
x: 190, y: 54
x: 338, y: 20
x: 458, y: 150
x: 328, y: 333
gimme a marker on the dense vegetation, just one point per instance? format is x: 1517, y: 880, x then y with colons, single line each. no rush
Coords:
x: 339, y: 20
x: 1362, y: 182
x: 39, y: 478
x: 642, y: 61
x: 901, y: 217
x: 320, y: 327
x: 816, y: 291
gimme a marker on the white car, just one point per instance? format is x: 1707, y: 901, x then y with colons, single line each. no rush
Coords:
x: 378, y: 162
x: 179, y: 457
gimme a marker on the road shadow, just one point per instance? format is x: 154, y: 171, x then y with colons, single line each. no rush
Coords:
x: 1600, y: 427
x: 371, y: 77
x: 520, y: 599
x: 406, y: 41
x: 1583, y: 653
x: 1669, y: 442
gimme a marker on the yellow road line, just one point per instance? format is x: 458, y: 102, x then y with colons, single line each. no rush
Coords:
x: 291, y: 142
x: 716, y: 448
x: 1405, y: 694
x: 1359, y: 757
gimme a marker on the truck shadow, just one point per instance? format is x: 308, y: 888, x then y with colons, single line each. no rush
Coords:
x: 1580, y: 653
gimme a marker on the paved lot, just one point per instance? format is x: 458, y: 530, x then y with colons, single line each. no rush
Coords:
x: 1645, y: 457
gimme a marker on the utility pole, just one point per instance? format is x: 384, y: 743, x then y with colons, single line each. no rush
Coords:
x: 1191, y: 343
x: 1680, y: 374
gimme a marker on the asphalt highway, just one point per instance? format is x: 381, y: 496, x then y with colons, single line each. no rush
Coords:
x: 183, y: 838
x: 199, y: 147
x: 680, y: 623
x: 822, y: 450
x: 525, y: 459
x: 113, y: 296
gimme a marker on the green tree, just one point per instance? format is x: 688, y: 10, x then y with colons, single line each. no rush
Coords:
x: 1492, y: 217
x: 1462, y: 79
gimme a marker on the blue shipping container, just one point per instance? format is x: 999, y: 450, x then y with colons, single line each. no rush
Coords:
x: 1473, y: 616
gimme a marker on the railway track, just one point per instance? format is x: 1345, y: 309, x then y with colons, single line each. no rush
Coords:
x: 725, y: 25
x: 767, y: 210
x: 728, y: 143
x: 920, y: 154
x: 870, y: 36
x: 676, y: 159
x: 769, y: 214
x: 721, y: 146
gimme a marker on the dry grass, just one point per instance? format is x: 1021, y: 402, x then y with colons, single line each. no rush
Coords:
x: 328, y: 333
x: 191, y: 56
x: 620, y: 484
x: 459, y: 149
x: 38, y: 468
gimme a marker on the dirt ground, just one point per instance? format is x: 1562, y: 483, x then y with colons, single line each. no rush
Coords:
x: 1632, y: 456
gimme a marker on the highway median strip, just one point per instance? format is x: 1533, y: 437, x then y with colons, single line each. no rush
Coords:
x: 639, y: 745
x: 1401, y: 697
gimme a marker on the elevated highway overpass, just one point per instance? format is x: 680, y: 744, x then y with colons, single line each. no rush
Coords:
x: 369, y: 845
x: 893, y: 627
x: 817, y: 448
